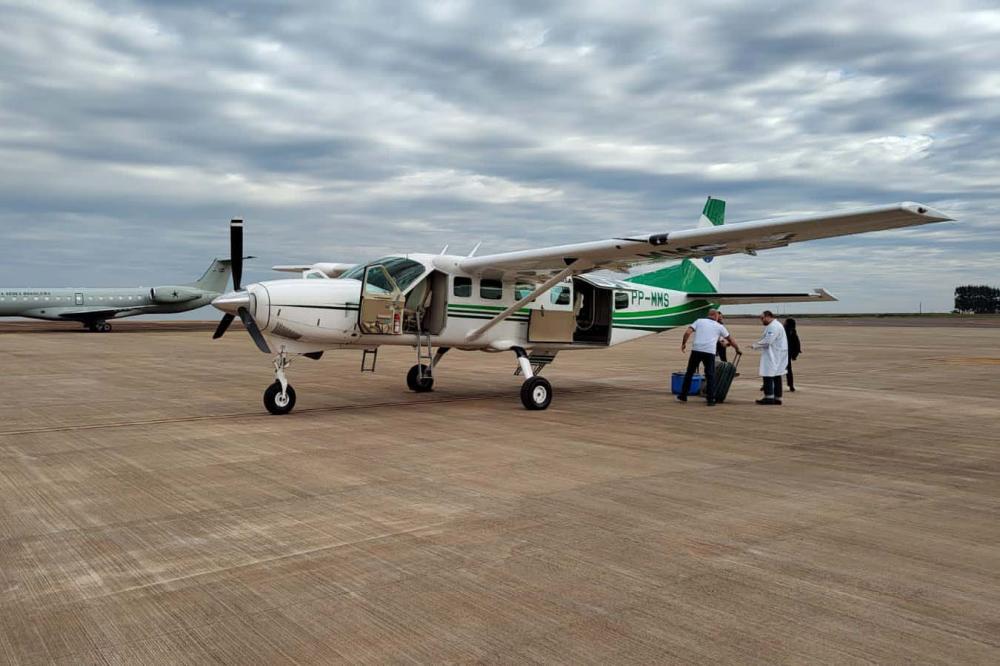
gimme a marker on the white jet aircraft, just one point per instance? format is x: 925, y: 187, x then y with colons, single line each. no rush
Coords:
x: 534, y: 303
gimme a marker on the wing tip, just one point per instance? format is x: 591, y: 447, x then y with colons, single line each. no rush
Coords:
x: 925, y: 211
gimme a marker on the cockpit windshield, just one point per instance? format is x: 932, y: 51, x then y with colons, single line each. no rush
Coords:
x: 404, y: 271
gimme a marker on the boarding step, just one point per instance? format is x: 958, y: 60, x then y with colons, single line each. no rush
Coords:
x: 538, y: 360
x: 368, y: 359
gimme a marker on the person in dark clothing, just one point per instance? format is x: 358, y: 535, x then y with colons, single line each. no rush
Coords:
x: 720, y: 346
x: 794, y: 349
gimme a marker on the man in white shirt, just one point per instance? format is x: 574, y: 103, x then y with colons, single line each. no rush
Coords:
x: 773, y: 347
x: 707, y: 333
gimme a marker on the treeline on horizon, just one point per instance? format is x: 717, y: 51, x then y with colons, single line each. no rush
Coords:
x: 977, y: 299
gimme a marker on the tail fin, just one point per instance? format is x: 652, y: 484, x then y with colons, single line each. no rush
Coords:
x: 694, y: 275
x: 215, y: 278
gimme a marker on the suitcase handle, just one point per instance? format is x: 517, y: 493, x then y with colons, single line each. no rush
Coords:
x: 739, y: 356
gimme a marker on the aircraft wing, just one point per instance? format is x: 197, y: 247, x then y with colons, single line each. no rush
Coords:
x: 328, y: 268
x: 732, y: 298
x: 746, y: 237
x: 85, y: 313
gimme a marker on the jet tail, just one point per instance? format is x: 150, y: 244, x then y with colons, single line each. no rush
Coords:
x: 215, y: 278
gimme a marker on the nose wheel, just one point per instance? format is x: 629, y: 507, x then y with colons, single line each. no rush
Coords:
x: 279, y: 398
x: 277, y: 401
x: 99, y: 327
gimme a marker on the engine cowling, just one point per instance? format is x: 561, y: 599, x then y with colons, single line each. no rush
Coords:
x: 170, y: 294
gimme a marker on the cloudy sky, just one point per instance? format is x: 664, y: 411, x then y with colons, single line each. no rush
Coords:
x: 131, y: 132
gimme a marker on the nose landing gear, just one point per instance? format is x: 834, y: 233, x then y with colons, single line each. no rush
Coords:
x: 279, y: 398
x: 99, y: 327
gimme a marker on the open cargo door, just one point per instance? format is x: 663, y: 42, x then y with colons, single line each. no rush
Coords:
x: 553, y: 317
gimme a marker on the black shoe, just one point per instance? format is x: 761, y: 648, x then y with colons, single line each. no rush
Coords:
x: 791, y: 389
x: 682, y: 398
x: 710, y: 403
x: 765, y: 401
x: 777, y: 401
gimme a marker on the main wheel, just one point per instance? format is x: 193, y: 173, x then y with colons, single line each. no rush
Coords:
x: 536, y: 393
x: 105, y: 327
x: 277, y: 403
x: 418, y: 384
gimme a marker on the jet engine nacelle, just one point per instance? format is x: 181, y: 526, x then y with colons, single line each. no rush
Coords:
x: 174, y: 294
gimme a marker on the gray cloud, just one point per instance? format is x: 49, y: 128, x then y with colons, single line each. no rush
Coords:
x: 130, y: 132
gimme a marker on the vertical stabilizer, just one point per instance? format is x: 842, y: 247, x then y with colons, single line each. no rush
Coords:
x: 216, y: 278
x: 712, y: 215
x: 695, y: 275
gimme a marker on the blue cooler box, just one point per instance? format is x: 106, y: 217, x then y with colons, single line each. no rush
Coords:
x: 677, y: 381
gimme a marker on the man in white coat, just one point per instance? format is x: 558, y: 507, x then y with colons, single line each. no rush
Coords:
x: 773, y: 347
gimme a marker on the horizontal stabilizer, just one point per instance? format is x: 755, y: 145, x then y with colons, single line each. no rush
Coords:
x: 734, y: 298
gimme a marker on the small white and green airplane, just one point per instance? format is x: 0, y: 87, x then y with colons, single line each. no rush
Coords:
x: 533, y: 303
x: 93, y: 306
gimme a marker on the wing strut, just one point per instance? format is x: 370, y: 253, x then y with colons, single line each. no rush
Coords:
x: 574, y: 267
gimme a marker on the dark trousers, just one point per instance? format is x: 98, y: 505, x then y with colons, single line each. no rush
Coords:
x: 707, y: 360
x: 791, y: 380
x: 772, y: 387
x: 720, y: 351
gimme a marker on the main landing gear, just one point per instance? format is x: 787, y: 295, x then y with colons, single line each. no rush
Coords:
x: 420, y: 378
x: 279, y: 398
x: 536, y: 391
x: 99, y: 327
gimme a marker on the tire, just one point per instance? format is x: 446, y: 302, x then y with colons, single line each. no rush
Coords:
x: 105, y: 328
x: 536, y: 393
x: 415, y: 383
x: 273, y: 401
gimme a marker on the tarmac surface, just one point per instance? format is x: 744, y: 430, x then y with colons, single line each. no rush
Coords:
x: 152, y: 512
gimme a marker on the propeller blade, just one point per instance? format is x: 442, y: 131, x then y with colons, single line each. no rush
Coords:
x: 236, y: 252
x: 254, y: 332
x: 227, y: 319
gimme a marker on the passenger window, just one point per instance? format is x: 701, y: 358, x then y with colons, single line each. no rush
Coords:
x: 463, y: 287
x: 559, y: 296
x: 491, y: 289
x: 621, y: 300
x: 522, y: 290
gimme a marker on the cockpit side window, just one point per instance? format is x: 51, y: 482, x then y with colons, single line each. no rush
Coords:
x: 404, y: 271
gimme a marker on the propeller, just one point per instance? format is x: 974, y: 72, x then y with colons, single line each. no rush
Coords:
x: 252, y: 329
x: 236, y: 266
x: 238, y: 299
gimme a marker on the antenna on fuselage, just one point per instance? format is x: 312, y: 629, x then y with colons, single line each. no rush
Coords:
x: 444, y: 249
x: 475, y: 249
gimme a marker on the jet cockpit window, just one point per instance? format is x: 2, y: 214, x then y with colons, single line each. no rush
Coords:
x: 404, y: 271
x: 315, y: 275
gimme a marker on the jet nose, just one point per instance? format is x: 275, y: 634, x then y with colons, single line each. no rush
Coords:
x: 233, y: 301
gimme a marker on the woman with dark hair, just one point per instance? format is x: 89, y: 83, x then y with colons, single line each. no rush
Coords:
x: 794, y: 349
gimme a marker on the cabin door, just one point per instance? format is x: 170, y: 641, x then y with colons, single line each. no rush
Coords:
x: 381, y: 310
x: 553, y: 315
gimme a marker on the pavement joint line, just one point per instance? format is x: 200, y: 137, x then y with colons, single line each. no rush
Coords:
x: 239, y: 415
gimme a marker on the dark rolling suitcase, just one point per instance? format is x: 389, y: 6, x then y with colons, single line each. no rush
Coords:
x: 724, y: 374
